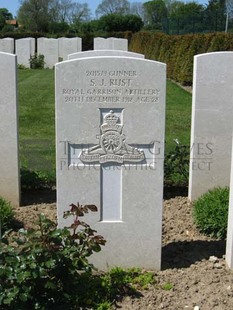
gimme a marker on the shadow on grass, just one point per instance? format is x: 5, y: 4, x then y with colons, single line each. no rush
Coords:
x: 182, y: 254
x: 174, y: 191
x: 37, y: 196
x: 37, y: 187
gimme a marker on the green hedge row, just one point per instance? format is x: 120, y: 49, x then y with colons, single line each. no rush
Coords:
x: 178, y: 51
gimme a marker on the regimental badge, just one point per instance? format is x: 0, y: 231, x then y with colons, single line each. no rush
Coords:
x: 112, y: 146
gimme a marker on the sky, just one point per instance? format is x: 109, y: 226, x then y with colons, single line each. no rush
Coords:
x: 13, y: 5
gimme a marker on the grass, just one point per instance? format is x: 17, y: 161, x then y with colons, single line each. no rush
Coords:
x: 167, y: 286
x: 37, y: 118
x: 178, y: 115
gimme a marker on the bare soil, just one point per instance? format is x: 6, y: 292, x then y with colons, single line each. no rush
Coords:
x: 194, y: 274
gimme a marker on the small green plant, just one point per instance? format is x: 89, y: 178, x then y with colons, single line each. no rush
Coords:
x: 104, y: 306
x: 167, y: 286
x: 140, y: 279
x: 6, y: 215
x: 37, y: 179
x: 47, y: 265
x: 211, y: 211
x: 176, y: 165
x: 119, y: 280
x: 22, y: 67
x: 101, y: 290
x: 37, y: 62
x: 116, y: 281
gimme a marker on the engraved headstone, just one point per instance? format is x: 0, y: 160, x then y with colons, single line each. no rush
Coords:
x: 7, y: 45
x: 40, y: 46
x: 104, y: 53
x: 50, y: 47
x: 110, y: 116
x: 229, y: 243
x: 9, y: 162
x: 60, y: 48
x: 212, y: 110
x: 23, y: 48
x: 110, y: 44
x: 33, y: 45
x: 68, y: 46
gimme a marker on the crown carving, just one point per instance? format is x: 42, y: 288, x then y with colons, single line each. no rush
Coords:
x: 111, y: 123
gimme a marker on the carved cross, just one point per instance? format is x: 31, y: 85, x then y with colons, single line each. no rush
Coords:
x: 112, y: 154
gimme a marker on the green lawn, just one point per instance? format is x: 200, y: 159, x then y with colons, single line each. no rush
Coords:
x: 178, y: 115
x: 37, y: 121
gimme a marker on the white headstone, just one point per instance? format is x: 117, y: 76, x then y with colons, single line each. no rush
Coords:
x: 7, y: 45
x: 104, y: 53
x: 40, y: 46
x: 110, y: 44
x: 33, y: 45
x: 229, y: 243
x: 110, y: 116
x: 68, y: 46
x: 50, y: 47
x: 120, y: 44
x: 60, y: 47
x: 23, y: 49
x: 9, y: 161
x: 212, y: 125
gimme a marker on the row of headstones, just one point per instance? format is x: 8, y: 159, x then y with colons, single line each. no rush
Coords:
x: 118, y: 97
x: 9, y: 149
x: 54, y: 50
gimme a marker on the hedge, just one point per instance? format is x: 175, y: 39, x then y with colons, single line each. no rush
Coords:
x: 177, y: 51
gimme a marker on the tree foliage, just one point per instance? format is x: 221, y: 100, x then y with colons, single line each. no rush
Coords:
x: 229, y: 8
x: 215, y: 15
x: 137, y: 8
x: 229, y: 13
x: 186, y: 17
x: 4, y: 15
x: 45, y: 15
x: 118, y: 22
x: 169, y: 16
x: 67, y: 11
x: 34, y: 14
x: 155, y: 13
x: 113, y: 7
x: 179, y: 17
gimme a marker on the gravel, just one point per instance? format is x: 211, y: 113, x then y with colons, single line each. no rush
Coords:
x: 192, y: 264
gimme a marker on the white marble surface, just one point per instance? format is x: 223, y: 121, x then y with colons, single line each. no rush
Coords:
x: 23, y: 49
x: 7, y: 45
x: 40, y: 46
x: 33, y: 45
x: 212, y: 110
x: 50, y: 48
x: 229, y: 243
x: 98, y: 53
x: 69, y: 46
x: 110, y: 44
x: 133, y: 90
x: 9, y: 160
